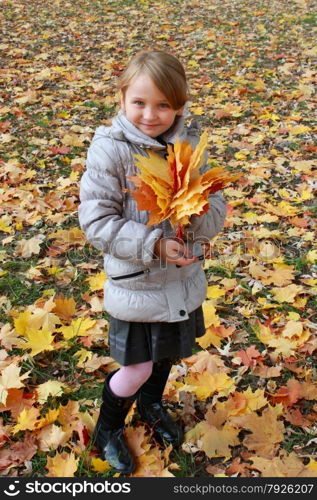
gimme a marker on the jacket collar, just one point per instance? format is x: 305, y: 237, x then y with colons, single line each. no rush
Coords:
x: 123, y: 130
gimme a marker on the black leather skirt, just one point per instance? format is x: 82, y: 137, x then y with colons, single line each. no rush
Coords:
x: 136, y: 342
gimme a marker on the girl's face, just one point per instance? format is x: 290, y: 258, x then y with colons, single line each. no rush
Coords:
x: 147, y: 108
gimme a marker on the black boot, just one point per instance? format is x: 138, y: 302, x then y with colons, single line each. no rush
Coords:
x: 109, y: 437
x: 150, y: 407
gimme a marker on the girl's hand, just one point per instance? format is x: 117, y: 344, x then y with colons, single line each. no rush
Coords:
x: 174, y: 251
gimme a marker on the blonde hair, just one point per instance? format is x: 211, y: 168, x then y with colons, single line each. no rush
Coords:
x: 165, y: 70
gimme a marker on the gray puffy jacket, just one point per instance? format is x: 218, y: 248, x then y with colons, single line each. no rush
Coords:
x: 139, y: 287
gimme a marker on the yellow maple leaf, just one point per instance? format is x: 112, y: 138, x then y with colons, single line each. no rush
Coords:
x: 63, y: 114
x: 8, y: 337
x: 216, y: 442
x: 42, y: 317
x: 83, y: 355
x: 54, y: 271
x: 229, y: 283
x: 26, y: 248
x: 77, y: 327
x: 49, y: 388
x: 300, y: 302
x: 311, y: 256
x: 240, y: 403
x: 280, y: 277
x: 257, y: 271
x: 4, y: 225
x: 293, y: 316
x: 99, y: 465
x: 205, y: 384
x: 94, y: 362
x: 37, y: 340
x: 203, y: 360
x: 72, y: 236
x: 51, y: 437
x: 69, y: 416
x: 286, y: 293
x: 49, y: 418
x: 10, y: 378
x: 292, y: 328
x: 62, y: 465
x: 97, y: 282
x: 215, y: 291
x: 287, y: 346
x: 26, y: 420
x: 214, y: 435
x: 88, y: 421
x: 36, y: 317
x: 240, y: 155
x: 282, y: 466
x: 197, y: 110
x: 210, y: 316
x: 312, y: 464
x: 73, y: 140
x: 286, y: 209
x: 263, y: 332
x: 299, y: 129
x: 255, y: 400
x: 210, y: 338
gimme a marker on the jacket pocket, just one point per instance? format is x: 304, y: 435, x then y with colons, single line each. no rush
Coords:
x: 131, y: 275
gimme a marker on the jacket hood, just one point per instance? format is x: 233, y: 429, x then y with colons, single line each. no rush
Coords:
x: 123, y: 130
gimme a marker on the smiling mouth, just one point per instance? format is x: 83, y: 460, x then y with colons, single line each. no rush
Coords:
x: 149, y: 125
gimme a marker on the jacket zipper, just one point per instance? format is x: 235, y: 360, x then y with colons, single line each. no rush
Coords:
x: 132, y: 275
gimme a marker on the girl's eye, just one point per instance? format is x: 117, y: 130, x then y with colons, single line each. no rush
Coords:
x: 164, y: 105
x: 139, y: 103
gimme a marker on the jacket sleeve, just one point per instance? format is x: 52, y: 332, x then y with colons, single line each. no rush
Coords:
x: 101, y: 206
x: 206, y: 226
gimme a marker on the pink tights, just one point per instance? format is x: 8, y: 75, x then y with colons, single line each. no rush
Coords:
x: 126, y: 381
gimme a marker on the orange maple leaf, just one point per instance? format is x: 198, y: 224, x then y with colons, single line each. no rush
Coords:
x: 174, y: 188
x: 250, y: 356
x: 267, y: 432
x: 65, y: 308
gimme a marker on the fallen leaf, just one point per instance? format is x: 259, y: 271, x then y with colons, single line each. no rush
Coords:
x: 62, y: 465
x: 282, y: 466
x: 267, y: 432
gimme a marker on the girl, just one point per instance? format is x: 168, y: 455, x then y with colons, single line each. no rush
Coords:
x: 155, y: 285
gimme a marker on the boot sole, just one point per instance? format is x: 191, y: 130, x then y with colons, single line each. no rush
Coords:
x: 164, y: 442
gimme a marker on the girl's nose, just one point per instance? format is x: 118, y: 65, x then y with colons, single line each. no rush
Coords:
x: 149, y: 113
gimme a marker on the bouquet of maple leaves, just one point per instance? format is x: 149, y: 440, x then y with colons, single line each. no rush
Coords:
x: 173, y: 187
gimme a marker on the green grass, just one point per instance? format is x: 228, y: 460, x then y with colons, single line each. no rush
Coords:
x: 311, y: 19
x: 219, y: 271
x: 84, y: 392
x: 297, y: 437
x: 252, y: 336
x: 38, y: 464
x: 17, y: 265
x: 188, y: 463
x: 38, y: 375
x: 19, y: 290
x: 300, y: 263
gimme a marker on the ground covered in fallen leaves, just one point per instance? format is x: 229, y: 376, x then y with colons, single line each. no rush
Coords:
x: 248, y: 395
